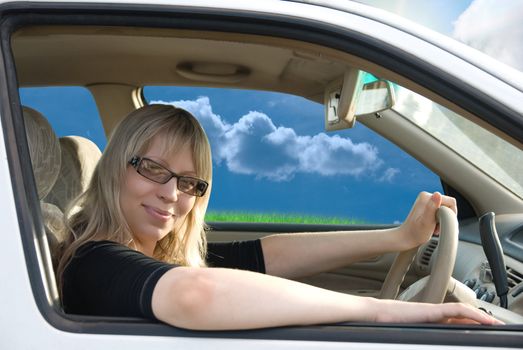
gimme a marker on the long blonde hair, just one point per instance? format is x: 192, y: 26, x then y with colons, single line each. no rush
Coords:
x: 100, y: 216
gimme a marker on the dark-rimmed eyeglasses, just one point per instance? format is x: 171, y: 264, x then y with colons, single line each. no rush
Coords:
x: 158, y: 173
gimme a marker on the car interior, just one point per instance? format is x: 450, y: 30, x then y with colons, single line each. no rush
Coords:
x: 115, y: 62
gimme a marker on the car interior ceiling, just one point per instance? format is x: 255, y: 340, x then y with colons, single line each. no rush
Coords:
x: 75, y: 55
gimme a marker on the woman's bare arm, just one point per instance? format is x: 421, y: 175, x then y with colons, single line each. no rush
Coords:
x: 296, y: 255
x: 226, y: 299
x: 303, y: 254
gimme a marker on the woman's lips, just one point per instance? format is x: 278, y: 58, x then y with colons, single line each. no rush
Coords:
x: 158, y: 213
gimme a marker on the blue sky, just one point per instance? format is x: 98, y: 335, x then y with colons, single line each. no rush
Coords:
x: 267, y: 160
x: 438, y: 15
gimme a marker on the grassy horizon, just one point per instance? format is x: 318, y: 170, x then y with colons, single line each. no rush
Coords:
x: 239, y: 216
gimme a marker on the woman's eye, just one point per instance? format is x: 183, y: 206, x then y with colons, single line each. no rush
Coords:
x: 153, y: 168
x: 186, y: 183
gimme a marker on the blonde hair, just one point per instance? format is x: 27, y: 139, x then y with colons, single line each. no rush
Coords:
x: 100, y: 216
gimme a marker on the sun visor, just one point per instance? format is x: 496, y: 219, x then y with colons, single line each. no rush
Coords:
x: 356, y: 94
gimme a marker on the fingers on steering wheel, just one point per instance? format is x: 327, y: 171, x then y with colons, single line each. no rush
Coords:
x: 442, y: 200
x: 449, y: 202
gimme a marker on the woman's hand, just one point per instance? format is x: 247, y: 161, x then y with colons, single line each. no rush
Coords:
x: 421, y: 223
x: 451, y: 313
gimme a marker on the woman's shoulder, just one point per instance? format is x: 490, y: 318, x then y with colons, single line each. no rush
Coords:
x: 107, y: 257
x: 101, y: 246
x: 105, y: 244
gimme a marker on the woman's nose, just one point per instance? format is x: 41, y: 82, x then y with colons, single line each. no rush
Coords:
x: 169, y: 191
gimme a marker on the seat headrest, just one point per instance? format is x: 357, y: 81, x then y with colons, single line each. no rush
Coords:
x: 79, y: 159
x: 44, y: 150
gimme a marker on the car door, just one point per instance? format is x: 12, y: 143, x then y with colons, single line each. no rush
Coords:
x: 34, y: 303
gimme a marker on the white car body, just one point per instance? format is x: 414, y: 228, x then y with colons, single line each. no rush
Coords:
x: 25, y: 325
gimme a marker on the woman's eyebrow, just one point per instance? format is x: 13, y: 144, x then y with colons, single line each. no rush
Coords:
x: 158, y: 159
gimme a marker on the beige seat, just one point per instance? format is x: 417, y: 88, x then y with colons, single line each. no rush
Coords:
x: 44, y: 150
x: 79, y: 158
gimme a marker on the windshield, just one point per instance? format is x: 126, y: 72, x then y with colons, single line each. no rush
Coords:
x: 493, y: 155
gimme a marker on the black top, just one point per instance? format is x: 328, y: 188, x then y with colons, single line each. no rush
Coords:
x: 109, y: 279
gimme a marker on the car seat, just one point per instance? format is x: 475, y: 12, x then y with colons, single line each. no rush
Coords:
x: 44, y: 150
x: 79, y: 159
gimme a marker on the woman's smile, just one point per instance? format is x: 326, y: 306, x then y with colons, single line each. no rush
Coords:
x: 157, y: 213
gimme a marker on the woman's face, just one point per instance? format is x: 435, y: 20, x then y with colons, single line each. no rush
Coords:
x: 151, y: 209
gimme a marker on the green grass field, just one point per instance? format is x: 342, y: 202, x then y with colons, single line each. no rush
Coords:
x: 233, y: 216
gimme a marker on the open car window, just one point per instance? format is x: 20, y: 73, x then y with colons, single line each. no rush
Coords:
x: 273, y: 161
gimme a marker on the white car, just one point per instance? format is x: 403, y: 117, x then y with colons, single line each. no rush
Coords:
x: 453, y: 109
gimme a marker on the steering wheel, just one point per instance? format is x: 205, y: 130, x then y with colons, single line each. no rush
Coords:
x: 430, y: 289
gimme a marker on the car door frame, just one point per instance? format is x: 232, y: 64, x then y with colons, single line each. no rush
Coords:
x: 14, y: 15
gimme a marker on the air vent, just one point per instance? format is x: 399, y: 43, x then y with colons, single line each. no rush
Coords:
x: 514, y: 277
x: 427, y: 252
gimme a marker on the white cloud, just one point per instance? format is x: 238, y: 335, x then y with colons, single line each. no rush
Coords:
x: 279, y: 152
x: 332, y: 155
x: 389, y: 175
x: 494, y: 27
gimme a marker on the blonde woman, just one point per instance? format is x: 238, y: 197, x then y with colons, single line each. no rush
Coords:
x: 138, y: 247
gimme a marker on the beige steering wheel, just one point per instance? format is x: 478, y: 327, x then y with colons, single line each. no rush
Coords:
x: 430, y: 289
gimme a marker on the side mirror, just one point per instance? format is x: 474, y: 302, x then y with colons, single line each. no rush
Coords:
x: 350, y: 97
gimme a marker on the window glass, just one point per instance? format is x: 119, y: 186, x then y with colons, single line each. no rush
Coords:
x: 494, y: 156
x: 274, y: 162
x: 69, y: 110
